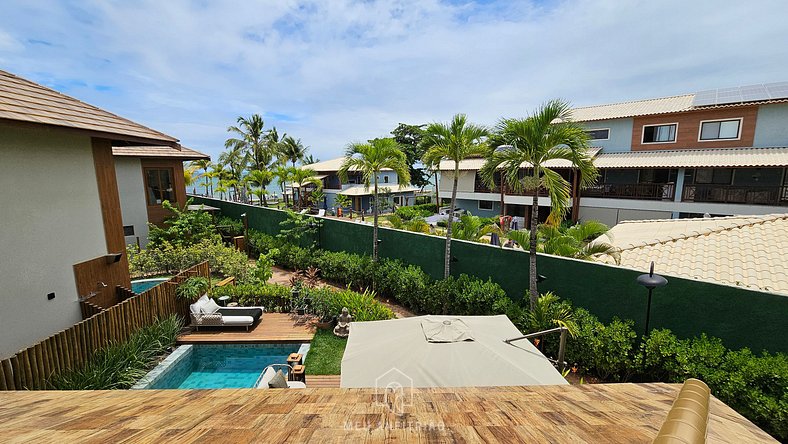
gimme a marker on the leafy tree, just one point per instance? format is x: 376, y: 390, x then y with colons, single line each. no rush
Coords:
x: 370, y: 159
x: 409, y: 139
x: 292, y: 149
x: 296, y: 226
x: 183, y: 228
x: 456, y: 142
x: 472, y: 228
x: 546, y: 135
x: 317, y: 197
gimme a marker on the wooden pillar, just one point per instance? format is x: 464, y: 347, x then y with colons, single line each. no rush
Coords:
x: 110, y: 205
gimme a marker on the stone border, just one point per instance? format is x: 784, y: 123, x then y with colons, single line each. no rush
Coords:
x: 180, y: 353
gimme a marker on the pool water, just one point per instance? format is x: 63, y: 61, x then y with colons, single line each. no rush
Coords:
x: 143, y: 285
x: 219, y: 365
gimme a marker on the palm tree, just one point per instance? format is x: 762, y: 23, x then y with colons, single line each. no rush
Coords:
x: 472, y: 229
x: 260, y: 179
x: 300, y: 178
x: 218, y: 172
x: 546, y: 135
x: 577, y: 241
x: 292, y: 149
x: 342, y: 201
x: 251, y: 140
x: 189, y: 175
x: 309, y: 160
x: 417, y: 224
x: 370, y: 159
x: 456, y: 142
x: 203, y: 164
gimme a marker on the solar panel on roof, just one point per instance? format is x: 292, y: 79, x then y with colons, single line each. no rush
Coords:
x: 740, y: 94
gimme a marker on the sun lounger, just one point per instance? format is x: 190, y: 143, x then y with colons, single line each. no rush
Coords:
x: 269, y: 373
x: 206, y: 313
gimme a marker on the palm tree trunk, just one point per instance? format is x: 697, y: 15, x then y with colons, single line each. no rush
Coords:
x: 532, y: 290
x: 375, y: 223
x: 437, y: 195
x: 447, y: 259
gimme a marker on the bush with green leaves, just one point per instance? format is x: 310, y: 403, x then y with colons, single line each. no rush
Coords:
x: 183, y: 228
x: 171, y: 258
x: 328, y: 302
x: 412, y: 212
x: 193, y: 288
x: 120, y: 365
x: 230, y: 226
x: 274, y: 297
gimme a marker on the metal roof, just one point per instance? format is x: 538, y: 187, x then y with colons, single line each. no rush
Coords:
x: 634, y: 108
x: 26, y: 101
x: 158, y: 151
x: 696, y: 158
x: 477, y: 163
x: 709, y: 248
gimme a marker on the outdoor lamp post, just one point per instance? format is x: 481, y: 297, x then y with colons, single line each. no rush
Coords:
x: 650, y: 281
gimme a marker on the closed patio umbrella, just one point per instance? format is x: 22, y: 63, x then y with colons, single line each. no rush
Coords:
x: 494, y: 239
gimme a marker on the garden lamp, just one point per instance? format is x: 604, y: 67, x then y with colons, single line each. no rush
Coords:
x: 650, y: 281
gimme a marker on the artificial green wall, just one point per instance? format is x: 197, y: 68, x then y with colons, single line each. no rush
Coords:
x: 740, y: 317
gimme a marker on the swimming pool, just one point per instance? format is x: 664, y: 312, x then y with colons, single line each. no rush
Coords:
x: 203, y: 366
x: 142, y: 285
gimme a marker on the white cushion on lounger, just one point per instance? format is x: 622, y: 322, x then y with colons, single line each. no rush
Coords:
x: 296, y: 385
x: 209, y: 307
x: 195, y: 307
x: 237, y: 320
x: 267, y: 376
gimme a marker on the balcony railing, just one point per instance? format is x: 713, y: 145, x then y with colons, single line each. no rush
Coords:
x: 482, y: 188
x: 647, y: 191
x: 749, y: 195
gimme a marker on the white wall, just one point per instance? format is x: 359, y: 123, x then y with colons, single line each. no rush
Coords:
x: 612, y: 216
x: 466, y: 182
x: 131, y: 188
x: 50, y: 219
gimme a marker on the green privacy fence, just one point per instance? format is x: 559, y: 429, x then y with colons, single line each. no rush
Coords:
x: 740, y: 317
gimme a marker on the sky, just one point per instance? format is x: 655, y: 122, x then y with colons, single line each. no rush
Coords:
x: 331, y: 72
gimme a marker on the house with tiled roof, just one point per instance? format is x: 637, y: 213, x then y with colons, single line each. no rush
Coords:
x: 75, y: 178
x: 746, y: 251
x: 719, y: 152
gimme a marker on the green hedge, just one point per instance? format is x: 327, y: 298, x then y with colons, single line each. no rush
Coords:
x: 414, y: 211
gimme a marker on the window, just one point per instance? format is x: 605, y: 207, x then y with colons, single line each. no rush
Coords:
x: 717, y: 176
x: 720, y: 130
x: 158, y: 183
x: 385, y: 179
x: 599, y: 134
x: 659, y: 133
x: 485, y: 205
x: 128, y: 230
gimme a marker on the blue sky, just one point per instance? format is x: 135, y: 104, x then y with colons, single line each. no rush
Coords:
x: 332, y: 72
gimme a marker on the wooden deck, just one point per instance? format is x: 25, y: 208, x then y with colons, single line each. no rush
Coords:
x: 274, y: 327
x: 611, y: 413
x: 322, y: 381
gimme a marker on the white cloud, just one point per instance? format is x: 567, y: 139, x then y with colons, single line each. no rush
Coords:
x: 341, y: 71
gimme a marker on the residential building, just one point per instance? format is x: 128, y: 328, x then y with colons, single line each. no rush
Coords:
x: 354, y: 187
x: 62, y: 236
x: 720, y: 152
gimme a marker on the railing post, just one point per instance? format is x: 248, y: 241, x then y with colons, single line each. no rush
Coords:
x: 562, y: 349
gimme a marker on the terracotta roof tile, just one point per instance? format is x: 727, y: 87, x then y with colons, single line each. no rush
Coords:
x: 23, y: 100
x: 737, y: 250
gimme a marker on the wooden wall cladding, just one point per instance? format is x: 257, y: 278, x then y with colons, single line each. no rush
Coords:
x: 112, y: 216
x: 689, y: 128
x: 157, y: 213
x: 89, y: 274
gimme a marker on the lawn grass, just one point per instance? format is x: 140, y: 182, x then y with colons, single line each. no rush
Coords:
x: 325, y: 354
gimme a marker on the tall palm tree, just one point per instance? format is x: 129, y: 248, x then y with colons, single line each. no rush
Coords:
x: 217, y: 172
x: 250, y: 139
x: 203, y: 164
x: 236, y: 161
x: 300, y: 177
x: 189, y: 175
x: 578, y: 241
x: 456, y: 142
x: 370, y: 159
x: 260, y: 179
x: 283, y: 174
x: 310, y: 159
x: 547, y: 134
x: 292, y: 149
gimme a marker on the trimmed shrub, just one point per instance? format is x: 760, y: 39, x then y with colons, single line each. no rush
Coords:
x: 329, y: 302
x: 412, y: 212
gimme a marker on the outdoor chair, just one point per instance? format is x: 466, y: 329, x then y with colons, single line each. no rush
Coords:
x: 207, y: 313
x: 269, y: 373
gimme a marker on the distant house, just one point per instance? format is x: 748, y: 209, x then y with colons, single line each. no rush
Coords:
x: 722, y: 152
x: 355, y: 189
x: 62, y: 235
x: 746, y: 251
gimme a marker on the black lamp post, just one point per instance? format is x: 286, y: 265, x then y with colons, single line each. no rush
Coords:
x: 650, y: 281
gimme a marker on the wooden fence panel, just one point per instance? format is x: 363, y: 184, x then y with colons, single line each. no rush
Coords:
x: 32, y: 368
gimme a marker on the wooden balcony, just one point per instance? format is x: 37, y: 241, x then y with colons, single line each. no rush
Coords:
x: 735, y: 194
x: 644, y: 191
